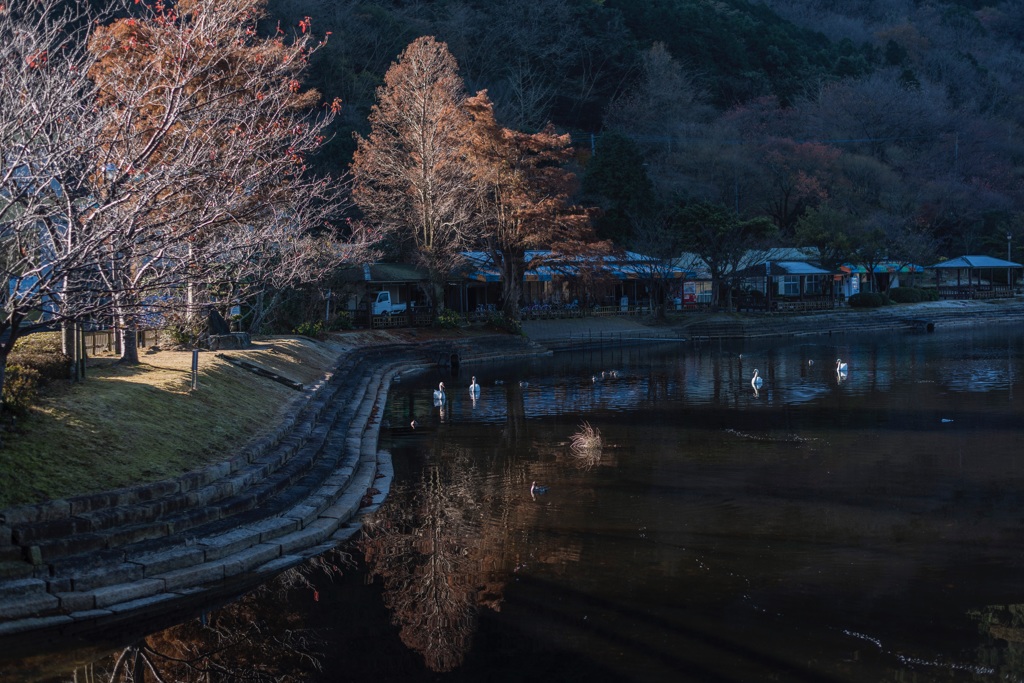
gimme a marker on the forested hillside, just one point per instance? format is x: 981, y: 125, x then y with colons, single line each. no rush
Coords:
x: 866, y: 126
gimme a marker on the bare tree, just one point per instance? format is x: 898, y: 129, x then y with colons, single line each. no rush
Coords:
x: 206, y: 135
x: 48, y: 124
x: 409, y: 174
x: 665, y: 113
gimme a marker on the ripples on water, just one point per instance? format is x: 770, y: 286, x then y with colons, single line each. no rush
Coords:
x: 764, y: 529
x: 857, y: 528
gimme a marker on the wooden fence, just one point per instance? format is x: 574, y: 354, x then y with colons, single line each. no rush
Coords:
x: 105, y: 341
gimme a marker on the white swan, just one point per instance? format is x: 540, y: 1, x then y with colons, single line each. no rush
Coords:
x: 756, y: 380
x: 474, y: 388
x: 439, y: 392
x: 841, y: 367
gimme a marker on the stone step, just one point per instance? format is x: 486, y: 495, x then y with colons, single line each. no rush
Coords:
x: 330, y: 481
x: 312, y: 493
x: 55, y: 535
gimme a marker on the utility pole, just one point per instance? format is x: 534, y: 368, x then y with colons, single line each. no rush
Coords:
x: 1009, y: 282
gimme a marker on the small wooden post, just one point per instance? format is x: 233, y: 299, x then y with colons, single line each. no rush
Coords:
x: 80, y: 344
x: 195, y: 369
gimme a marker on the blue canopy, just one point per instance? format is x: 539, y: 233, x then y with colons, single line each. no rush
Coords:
x: 628, y: 266
x: 970, y: 262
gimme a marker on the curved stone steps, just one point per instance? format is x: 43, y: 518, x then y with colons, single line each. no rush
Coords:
x: 73, y: 571
x: 145, y: 581
x: 63, y: 541
x: 77, y: 531
x: 306, y: 511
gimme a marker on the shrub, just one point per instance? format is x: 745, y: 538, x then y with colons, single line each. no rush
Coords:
x: 913, y: 295
x: 448, y: 319
x: 310, y: 329
x: 869, y: 300
x: 906, y: 295
x: 186, y: 331
x: 21, y: 384
x: 42, y: 353
x: 586, y: 446
x: 502, y: 323
x: 341, y: 321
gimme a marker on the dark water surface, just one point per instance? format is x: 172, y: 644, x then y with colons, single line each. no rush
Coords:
x: 866, y: 528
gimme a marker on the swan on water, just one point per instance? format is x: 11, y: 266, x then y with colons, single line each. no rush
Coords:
x: 756, y: 380
x: 841, y: 367
x: 439, y: 392
x: 474, y: 388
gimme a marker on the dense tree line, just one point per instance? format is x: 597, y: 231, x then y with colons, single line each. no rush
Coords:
x: 899, y: 121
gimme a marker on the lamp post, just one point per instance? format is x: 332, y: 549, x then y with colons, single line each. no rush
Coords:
x: 1009, y: 282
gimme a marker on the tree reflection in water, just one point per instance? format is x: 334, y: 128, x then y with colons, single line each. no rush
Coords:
x: 425, y: 544
x: 243, y: 641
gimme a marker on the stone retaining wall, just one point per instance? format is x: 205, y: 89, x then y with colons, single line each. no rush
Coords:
x: 98, y: 562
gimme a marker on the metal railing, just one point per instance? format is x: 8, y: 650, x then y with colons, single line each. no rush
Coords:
x: 975, y: 292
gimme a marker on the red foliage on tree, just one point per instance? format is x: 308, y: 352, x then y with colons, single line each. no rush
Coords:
x: 207, y: 132
x: 524, y: 199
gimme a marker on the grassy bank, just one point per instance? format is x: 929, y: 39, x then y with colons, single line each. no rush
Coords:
x: 127, y: 425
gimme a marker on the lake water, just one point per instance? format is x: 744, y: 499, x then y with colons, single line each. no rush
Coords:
x: 822, y: 528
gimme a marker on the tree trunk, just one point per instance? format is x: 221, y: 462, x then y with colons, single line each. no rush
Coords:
x: 437, y: 289
x: 67, y: 338
x: 511, y: 267
x: 128, y: 333
x: 3, y: 375
x: 510, y: 294
x: 71, y: 348
x: 258, y: 313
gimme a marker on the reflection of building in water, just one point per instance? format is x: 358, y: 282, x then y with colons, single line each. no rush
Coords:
x: 1003, y: 623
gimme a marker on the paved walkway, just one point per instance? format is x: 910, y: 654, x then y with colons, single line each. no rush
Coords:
x: 543, y: 330
x: 568, y: 333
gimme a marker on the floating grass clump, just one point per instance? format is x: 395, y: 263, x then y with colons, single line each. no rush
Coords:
x: 586, y: 445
